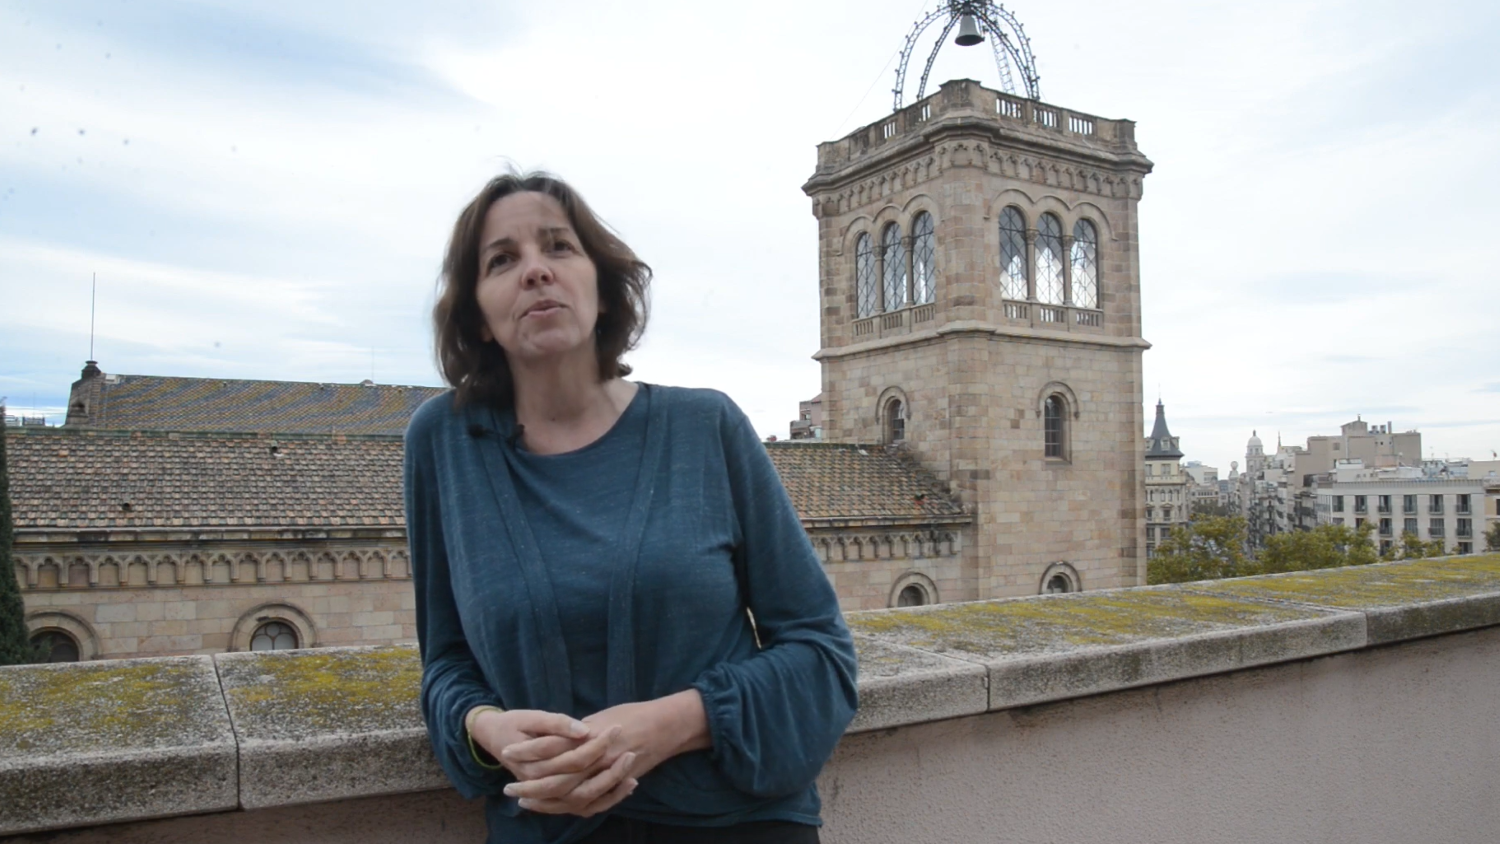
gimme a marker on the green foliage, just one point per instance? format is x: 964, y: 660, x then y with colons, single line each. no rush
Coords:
x: 1207, y: 548
x: 1323, y: 547
x: 15, y: 643
x: 1492, y: 538
x: 1211, y: 547
x: 1412, y: 548
x: 1212, y: 508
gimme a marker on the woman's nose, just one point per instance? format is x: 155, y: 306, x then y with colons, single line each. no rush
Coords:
x: 536, y: 272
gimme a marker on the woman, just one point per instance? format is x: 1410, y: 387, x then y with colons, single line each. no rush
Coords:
x: 584, y: 551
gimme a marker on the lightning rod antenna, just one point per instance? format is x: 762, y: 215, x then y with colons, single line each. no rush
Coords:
x: 93, y: 296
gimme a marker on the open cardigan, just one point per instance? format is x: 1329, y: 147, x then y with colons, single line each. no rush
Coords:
x: 710, y: 533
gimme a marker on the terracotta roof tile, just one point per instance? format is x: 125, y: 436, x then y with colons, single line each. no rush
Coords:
x: 157, y: 403
x: 81, y: 479
x: 117, y: 479
x: 828, y: 481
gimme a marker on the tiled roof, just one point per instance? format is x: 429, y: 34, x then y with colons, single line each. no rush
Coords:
x: 828, y: 481
x: 63, y: 478
x: 157, y: 403
x: 82, y: 479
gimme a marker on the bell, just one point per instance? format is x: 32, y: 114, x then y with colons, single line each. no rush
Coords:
x: 968, y: 32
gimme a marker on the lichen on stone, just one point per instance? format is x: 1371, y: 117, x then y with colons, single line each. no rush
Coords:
x: 300, y: 694
x: 1370, y: 587
x: 1063, y: 623
x: 109, y: 706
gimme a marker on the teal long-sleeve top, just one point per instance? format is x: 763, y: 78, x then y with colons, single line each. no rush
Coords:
x: 708, y: 532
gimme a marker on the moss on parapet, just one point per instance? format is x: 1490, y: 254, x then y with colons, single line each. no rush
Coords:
x: 120, y: 705
x: 297, y: 694
x: 1035, y: 626
x: 1379, y: 586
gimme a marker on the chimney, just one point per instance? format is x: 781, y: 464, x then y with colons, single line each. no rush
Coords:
x: 85, y: 395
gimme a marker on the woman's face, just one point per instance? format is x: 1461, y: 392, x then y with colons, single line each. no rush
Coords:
x: 538, y: 291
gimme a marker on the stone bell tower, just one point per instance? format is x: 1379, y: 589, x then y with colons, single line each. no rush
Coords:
x: 980, y: 294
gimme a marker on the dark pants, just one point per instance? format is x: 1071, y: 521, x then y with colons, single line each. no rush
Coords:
x: 626, y: 831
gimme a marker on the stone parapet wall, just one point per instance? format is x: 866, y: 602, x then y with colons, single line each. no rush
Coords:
x: 1344, y: 705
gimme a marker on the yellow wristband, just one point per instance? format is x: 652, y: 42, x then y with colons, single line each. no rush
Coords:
x: 472, y: 714
x: 482, y: 758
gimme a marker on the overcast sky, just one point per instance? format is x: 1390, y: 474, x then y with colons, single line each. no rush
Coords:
x: 263, y: 188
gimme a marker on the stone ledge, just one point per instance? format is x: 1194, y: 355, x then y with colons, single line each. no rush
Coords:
x: 900, y: 686
x: 102, y: 742
x: 327, y: 724
x: 1062, y: 646
x: 1400, y: 601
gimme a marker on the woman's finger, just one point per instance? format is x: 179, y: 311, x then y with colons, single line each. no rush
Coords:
x: 580, y: 759
x: 536, y: 722
x: 588, y: 793
x: 622, y: 790
x: 603, y: 782
x: 545, y: 788
x: 609, y: 800
x: 537, y: 749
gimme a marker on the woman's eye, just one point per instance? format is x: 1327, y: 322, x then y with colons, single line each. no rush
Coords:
x: 563, y: 246
x: 497, y: 260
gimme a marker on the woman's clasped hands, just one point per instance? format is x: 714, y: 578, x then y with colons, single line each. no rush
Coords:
x: 561, y: 765
x: 566, y: 766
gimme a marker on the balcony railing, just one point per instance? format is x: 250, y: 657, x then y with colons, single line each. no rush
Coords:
x: 1055, y: 317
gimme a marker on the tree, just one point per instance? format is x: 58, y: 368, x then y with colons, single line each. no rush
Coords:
x: 1492, y: 538
x: 1413, y: 548
x: 1206, y: 548
x: 15, y: 644
x: 1211, y: 508
x: 1323, y: 547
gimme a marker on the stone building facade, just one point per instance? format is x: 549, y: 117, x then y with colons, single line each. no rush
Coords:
x: 1167, y: 499
x: 980, y: 309
x: 155, y: 542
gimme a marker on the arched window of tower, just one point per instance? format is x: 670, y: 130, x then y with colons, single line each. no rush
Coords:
x: 893, y: 256
x: 1085, y: 265
x: 924, y: 253
x: 867, y: 288
x: 1013, y: 254
x: 1049, y: 267
x: 895, y: 421
x: 1054, y: 425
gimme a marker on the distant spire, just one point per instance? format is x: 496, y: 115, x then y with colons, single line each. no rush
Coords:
x: 1163, y: 444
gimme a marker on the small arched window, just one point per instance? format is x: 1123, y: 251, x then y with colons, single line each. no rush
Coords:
x: 895, y: 421
x: 1012, y: 253
x: 1085, y: 265
x: 273, y: 636
x: 893, y: 256
x: 1049, y: 258
x: 923, y: 259
x: 55, y: 646
x: 1054, y: 422
x: 866, y: 288
x: 911, y: 596
x: 1058, y: 584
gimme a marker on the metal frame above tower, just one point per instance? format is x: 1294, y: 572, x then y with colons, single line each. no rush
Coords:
x: 1007, y: 39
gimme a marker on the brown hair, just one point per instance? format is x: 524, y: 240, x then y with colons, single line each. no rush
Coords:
x: 478, y: 369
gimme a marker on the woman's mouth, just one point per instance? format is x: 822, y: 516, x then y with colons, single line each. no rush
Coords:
x: 542, y: 309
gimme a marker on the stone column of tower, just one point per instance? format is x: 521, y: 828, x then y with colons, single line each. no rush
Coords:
x: 972, y: 371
